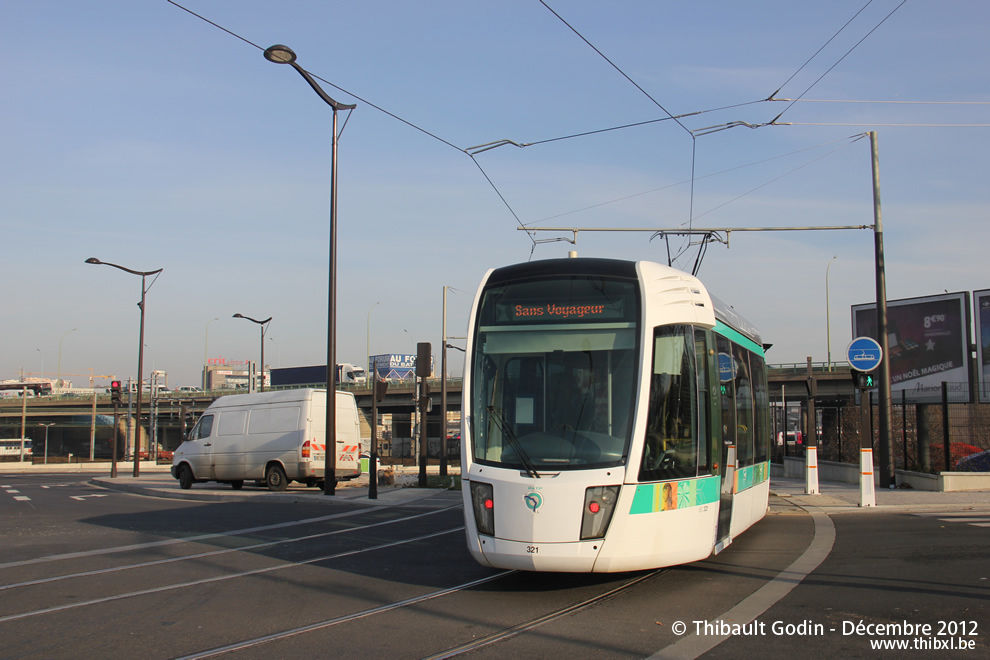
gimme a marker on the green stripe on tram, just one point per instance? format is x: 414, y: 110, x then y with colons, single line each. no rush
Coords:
x: 734, y: 335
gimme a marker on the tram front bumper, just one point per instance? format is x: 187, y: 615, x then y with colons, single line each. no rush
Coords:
x: 576, y: 557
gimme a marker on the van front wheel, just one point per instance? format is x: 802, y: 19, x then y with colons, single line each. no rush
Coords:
x: 185, y: 477
x: 275, y: 478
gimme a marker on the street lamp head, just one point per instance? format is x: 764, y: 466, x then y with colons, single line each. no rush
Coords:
x: 241, y: 316
x: 93, y: 260
x: 280, y: 54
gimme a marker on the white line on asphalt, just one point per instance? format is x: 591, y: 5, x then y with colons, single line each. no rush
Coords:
x: 693, y: 646
x: 213, y: 553
x: 188, y: 539
x: 221, y: 578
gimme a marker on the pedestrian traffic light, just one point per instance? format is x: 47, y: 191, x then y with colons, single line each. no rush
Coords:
x: 115, y: 391
x: 424, y: 362
x: 864, y: 380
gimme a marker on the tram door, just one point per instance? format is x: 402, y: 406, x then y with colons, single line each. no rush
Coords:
x: 725, y: 495
x: 726, y: 376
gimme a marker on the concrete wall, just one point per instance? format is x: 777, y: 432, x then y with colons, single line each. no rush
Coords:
x: 945, y: 482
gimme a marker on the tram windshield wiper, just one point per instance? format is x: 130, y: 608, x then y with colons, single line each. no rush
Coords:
x: 506, y: 430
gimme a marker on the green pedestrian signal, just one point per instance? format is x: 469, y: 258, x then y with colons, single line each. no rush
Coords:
x: 864, y: 380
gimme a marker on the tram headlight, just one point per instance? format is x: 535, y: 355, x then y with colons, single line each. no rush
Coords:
x: 483, y: 501
x: 599, y: 504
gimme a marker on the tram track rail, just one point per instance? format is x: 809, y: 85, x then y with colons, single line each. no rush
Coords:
x: 201, y: 555
x: 526, y: 626
x: 489, y: 640
x: 222, y: 578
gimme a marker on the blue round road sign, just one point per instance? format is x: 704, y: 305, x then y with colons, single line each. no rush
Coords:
x: 864, y: 354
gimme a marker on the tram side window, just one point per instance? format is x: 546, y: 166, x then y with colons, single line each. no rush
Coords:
x: 704, y: 400
x: 727, y: 400
x: 744, y: 406
x: 670, y: 450
x: 761, y: 423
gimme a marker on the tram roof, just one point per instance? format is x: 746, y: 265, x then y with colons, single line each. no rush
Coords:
x: 565, y: 266
x: 728, y: 315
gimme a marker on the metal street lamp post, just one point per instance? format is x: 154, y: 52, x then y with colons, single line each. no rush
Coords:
x: 47, y: 426
x: 58, y: 381
x: 828, y: 324
x: 284, y: 55
x: 140, y: 374
x: 368, y: 344
x: 206, y: 349
x: 264, y: 327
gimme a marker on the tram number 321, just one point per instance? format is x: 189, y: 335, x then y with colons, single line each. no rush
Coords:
x: 533, y: 549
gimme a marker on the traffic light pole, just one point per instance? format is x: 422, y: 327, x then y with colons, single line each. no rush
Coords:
x: 373, y: 454
x: 115, y: 399
x: 113, y: 442
x: 423, y: 359
x: 378, y: 391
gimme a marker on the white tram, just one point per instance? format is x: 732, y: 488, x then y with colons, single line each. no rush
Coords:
x: 615, y: 418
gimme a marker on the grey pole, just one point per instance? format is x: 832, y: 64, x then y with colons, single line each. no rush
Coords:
x: 885, y: 457
x: 140, y: 374
x: 280, y: 54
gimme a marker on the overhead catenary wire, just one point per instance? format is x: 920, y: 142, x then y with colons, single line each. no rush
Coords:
x: 873, y: 123
x: 694, y: 141
x: 670, y: 117
x: 772, y: 97
x: 853, y: 140
x: 837, y: 62
x: 823, y: 47
x: 886, y: 102
x: 376, y: 107
x: 698, y: 178
x: 613, y: 65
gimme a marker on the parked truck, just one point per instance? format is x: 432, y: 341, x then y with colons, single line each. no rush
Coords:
x: 269, y: 437
x: 351, y: 373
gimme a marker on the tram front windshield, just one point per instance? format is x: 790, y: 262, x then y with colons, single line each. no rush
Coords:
x: 554, y: 371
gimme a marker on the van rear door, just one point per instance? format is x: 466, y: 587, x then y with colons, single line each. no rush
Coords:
x: 348, y: 437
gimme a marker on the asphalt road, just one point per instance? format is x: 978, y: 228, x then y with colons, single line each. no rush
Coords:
x: 90, y: 572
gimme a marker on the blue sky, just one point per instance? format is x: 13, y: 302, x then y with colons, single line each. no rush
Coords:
x: 137, y: 133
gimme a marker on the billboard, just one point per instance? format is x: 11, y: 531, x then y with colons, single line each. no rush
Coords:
x: 395, y: 366
x: 928, y: 342
x: 981, y: 302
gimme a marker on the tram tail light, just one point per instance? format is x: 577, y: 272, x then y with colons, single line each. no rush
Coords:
x: 483, y: 501
x: 599, y: 504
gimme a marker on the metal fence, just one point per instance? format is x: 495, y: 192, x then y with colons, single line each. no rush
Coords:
x: 953, y: 435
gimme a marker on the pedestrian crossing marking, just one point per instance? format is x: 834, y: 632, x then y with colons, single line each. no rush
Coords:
x: 973, y: 518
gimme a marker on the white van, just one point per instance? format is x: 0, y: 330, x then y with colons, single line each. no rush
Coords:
x: 270, y: 437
